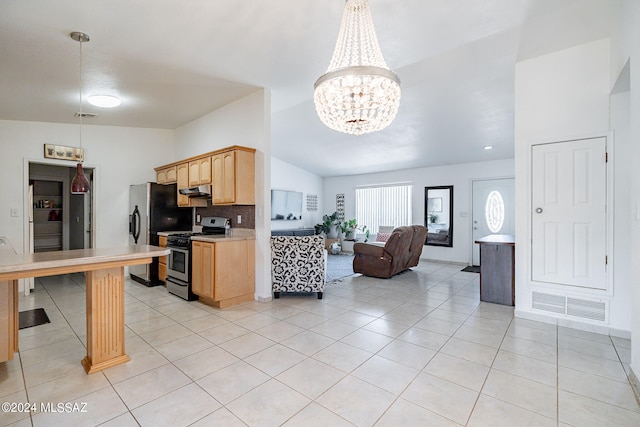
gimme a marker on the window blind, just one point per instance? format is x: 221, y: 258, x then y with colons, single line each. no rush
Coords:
x: 384, y: 205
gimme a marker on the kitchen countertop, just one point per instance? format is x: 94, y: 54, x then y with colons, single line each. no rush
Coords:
x: 13, y: 266
x: 497, y: 239
x: 236, y: 234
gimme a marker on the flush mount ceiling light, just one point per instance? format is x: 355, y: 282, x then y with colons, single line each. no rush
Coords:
x: 104, y: 101
x: 488, y: 147
x: 80, y: 183
x: 359, y: 93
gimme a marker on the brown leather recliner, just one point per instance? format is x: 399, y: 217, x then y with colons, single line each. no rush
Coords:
x: 401, y: 252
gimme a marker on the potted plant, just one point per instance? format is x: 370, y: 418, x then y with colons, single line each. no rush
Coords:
x: 433, y: 218
x: 350, y: 228
x: 329, y: 226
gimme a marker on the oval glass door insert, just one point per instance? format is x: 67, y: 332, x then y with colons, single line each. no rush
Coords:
x: 494, y: 211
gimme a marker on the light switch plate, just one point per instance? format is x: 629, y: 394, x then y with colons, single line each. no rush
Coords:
x: 15, y: 212
x: 239, y: 219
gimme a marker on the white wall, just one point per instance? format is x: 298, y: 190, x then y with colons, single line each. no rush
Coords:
x: 460, y: 176
x: 559, y: 96
x: 285, y: 176
x: 625, y: 46
x: 121, y: 156
x: 244, y: 122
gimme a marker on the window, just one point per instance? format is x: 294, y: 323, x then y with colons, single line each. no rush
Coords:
x: 384, y: 205
x: 494, y: 211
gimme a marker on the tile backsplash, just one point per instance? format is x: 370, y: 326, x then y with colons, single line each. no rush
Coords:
x: 246, y: 212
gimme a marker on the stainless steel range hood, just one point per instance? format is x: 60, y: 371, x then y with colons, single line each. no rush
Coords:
x: 199, y: 191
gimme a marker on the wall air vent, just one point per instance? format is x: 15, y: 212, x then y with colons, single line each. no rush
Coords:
x: 593, y: 310
x: 83, y: 114
x: 569, y: 306
x: 549, y: 302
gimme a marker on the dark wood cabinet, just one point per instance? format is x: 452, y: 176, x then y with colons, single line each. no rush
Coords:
x: 497, y: 269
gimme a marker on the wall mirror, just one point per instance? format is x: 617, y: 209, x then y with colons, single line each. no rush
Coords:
x: 438, y: 215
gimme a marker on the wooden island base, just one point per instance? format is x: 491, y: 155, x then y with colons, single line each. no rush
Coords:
x: 104, y: 269
x: 105, y: 319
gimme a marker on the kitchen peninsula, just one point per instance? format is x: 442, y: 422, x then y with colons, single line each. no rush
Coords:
x: 104, y: 270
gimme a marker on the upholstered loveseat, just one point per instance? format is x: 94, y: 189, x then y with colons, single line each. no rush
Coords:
x: 298, y: 264
x: 400, y: 252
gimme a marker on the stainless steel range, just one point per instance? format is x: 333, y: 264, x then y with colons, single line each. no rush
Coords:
x: 179, y: 259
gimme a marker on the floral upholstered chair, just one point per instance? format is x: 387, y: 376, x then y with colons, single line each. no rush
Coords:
x: 298, y: 264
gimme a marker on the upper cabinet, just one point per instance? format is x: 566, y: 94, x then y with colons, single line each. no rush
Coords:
x: 200, y: 171
x: 183, y: 182
x: 166, y: 175
x: 234, y: 178
x: 231, y: 171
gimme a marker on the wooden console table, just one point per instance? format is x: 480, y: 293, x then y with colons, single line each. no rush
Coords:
x: 497, y: 269
x: 104, y: 270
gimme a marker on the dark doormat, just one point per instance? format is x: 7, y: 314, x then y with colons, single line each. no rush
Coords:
x: 34, y: 317
x: 472, y: 269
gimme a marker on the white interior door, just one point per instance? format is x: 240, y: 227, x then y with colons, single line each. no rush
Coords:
x: 493, y: 210
x: 569, y: 200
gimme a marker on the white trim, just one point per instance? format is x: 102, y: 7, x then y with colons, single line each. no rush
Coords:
x: 25, y: 199
x: 609, y: 148
x: 388, y: 184
x: 471, y: 181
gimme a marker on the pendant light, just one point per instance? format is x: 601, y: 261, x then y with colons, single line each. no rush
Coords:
x: 359, y: 93
x: 80, y: 183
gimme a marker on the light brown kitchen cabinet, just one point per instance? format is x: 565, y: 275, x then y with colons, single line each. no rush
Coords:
x: 182, y: 171
x: 166, y: 175
x: 200, y: 171
x: 231, y: 171
x: 162, y: 261
x: 234, y: 178
x: 203, y: 267
x: 223, y: 273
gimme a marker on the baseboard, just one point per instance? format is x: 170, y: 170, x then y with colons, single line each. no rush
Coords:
x: 264, y: 299
x: 439, y: 261
x: 573, y: 324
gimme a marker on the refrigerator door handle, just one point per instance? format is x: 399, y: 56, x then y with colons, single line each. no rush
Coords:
x: 135, y: 225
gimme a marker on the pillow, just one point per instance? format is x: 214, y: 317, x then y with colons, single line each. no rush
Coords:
x: 382, y: 237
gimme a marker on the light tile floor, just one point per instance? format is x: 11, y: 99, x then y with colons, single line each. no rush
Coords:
x: 415, y: 350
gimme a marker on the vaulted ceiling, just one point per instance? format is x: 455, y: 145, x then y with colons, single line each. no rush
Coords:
x: 173, y: 61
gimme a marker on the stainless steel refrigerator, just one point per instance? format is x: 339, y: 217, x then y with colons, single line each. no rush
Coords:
x: 153, y: 208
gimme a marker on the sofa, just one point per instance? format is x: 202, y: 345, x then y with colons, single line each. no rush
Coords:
x: 399, y: 253
x: 298, y: 264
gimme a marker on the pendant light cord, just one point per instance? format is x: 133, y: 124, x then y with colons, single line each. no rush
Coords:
x: 80, y: 97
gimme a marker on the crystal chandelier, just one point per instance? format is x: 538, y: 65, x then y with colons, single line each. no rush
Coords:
x: 359, y: 93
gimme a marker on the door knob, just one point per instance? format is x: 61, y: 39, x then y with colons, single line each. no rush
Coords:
x: 538, y: 210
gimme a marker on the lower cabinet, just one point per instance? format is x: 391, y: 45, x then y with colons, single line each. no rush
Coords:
x: 497, y: 269
x: 162, y: 261
x: 223, y: 273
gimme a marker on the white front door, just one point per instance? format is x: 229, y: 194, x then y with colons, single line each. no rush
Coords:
x: 569, y: 201
x: 493, y: 210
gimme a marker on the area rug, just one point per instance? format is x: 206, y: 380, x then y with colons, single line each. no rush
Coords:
x: 35, y: 317
x: 339, y: 266
x: 472, y: 269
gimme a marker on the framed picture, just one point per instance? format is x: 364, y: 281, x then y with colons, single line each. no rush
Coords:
x: 74, y: 154
x: 434, y: 204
